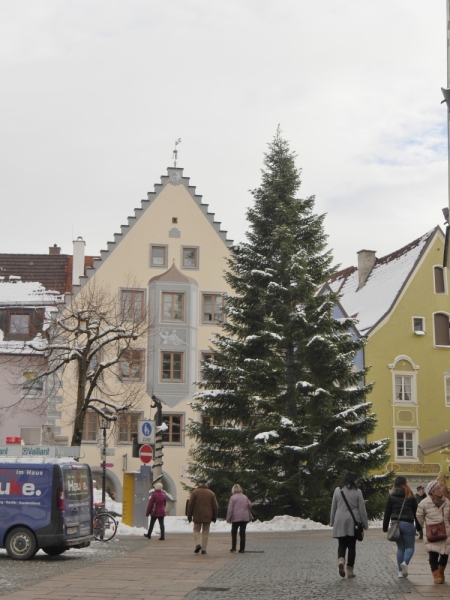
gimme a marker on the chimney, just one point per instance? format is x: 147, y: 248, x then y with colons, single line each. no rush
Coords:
x: 78, y: 260
x: 55, y: 249
x: 366, y: 262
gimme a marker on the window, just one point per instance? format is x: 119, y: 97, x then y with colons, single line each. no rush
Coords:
x: 32, y: 384
x: 132, y: 304
x: 439, y: 280
x: 158, y: 256
x: 212, y: 309
x: 447, y: 390
x: 172, y: 307
x: 131, y: 365
x: 419, y: 325
x: 189, y: 258
x: 172, y: 366
x: 18, y: 324
x: 174, y: 434
x: 90, y: 427
x: 403, y: 388
x: 127, y: 425
x: 31, y: 436
x: 405, y: 444
x: 441, y: 330
x: 209, y: 421
x: 206, y: 358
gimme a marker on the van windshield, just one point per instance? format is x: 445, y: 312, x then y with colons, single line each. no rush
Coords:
x: 76, y: 484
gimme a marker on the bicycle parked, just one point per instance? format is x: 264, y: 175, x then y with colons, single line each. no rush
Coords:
x: 104, y: 524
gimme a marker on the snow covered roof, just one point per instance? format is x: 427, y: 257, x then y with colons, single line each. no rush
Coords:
x: 383, y: 286
x: 28, y: 293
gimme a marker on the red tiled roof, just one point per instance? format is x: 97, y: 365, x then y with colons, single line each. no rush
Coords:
x: 53, y: 271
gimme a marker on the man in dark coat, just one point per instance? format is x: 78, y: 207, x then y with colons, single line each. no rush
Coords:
x: 202, y: 509
x: 419, y: 497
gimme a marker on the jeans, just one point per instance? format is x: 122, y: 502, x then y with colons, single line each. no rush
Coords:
x: 152, y: 524
x: 406, y: 542
x: 347, y: 542
x: 241, y: 525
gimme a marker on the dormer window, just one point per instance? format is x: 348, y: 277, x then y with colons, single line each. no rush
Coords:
x: 20, y: 324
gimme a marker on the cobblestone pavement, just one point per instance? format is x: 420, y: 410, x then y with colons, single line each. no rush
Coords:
x: 14, y: 576
x: 304, y: 566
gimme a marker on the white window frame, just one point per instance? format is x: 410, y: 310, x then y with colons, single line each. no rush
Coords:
x: 413, y: 387
x: 447, y: 389
x: 405, y: 430
x: 421, y: 331
x: 445, y: 281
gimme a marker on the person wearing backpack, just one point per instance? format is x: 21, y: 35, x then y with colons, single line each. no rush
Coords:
x: 343, y: 521
x: 401, y: 506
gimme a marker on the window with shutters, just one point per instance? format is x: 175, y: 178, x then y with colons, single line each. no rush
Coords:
x: 439, y: 280
x: 441, y: 330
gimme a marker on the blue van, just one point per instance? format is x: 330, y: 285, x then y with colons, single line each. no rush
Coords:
x: 47, y: 505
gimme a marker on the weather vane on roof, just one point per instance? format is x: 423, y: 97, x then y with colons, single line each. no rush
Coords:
x: 175, y: 152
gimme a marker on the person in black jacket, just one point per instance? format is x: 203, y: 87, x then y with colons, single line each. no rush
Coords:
x: 402, y: 506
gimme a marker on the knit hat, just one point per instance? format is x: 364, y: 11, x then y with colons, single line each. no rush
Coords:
x: 432, y: 486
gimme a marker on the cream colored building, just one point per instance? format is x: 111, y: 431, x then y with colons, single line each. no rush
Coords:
x: 175, y: 253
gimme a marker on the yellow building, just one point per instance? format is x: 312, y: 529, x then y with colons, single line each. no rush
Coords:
x: 175, y: 253
x: 402, y: 305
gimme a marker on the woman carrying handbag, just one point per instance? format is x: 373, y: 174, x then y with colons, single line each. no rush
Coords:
x: 433, y: 514
x: 346, y: 508
x: 400, y: 513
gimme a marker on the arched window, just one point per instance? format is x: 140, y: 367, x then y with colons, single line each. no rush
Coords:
x: 441, y: 330
x: 439, y: 281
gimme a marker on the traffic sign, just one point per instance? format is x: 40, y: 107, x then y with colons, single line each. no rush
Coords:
x: 146, y: 431
x: 146, y: 454
x: 107, y: 465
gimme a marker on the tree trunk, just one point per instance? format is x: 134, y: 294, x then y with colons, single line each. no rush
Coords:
x: 81, y: 404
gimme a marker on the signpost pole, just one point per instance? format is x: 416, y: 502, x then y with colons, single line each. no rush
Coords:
x: 104, y: 467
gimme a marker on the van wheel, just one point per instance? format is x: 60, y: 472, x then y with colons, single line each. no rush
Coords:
x: 21, y: 544
x: 54, y: 550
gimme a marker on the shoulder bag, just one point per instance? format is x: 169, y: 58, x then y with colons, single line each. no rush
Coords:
x: 436, y: 532
x: 359, y: 528
x: 393, y: 533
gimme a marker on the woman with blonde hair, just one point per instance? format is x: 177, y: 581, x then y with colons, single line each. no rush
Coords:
x: 433, y: 514
x: 402, y: 507
x: 156, y: 509
x: 238, y: 514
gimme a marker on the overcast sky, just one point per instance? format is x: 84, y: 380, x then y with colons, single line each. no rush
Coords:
x: 94, y: 94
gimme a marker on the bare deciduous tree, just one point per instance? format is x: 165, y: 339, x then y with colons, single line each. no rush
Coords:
x: 101, y: 335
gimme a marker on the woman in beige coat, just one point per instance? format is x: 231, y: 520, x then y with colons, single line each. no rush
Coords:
x: 435, y: 509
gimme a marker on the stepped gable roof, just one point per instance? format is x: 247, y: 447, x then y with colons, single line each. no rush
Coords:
x: 174, y: 177
x: 53, y: 271
x: 173, y: 274
x: 384, y: 285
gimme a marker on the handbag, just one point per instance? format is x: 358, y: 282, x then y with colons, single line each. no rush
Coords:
x: 394, y: 533
x: 250, y: 516
x: 436, y: 532
x: 359, y: 527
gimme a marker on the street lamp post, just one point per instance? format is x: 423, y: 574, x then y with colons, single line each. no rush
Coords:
x: 104, y: 424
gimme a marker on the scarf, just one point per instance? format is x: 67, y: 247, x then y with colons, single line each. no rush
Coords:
x: 438, y: 501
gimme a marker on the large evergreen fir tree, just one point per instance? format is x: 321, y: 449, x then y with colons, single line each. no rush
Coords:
x: 286, y: 412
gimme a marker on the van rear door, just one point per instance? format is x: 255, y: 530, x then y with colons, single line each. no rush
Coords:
x: 77, y: 486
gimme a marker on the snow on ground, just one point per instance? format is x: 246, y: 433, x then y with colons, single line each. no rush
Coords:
x: 181, y: 524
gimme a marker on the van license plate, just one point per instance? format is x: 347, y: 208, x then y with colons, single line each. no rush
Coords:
x: 71, y: 530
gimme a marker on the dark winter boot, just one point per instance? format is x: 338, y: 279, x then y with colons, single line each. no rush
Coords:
x: 341, y: 565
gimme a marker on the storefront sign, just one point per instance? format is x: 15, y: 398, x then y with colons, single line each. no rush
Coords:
x: 414, y: 468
